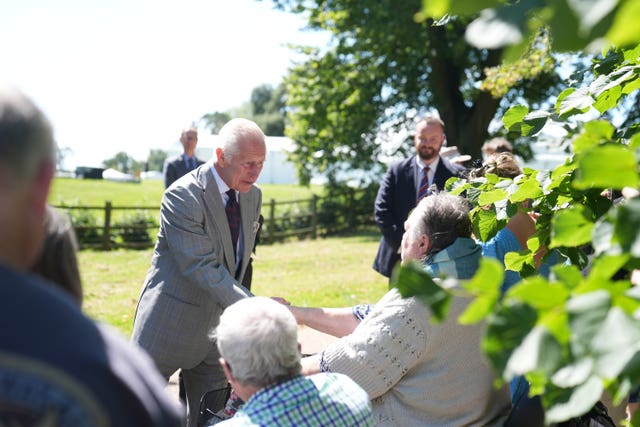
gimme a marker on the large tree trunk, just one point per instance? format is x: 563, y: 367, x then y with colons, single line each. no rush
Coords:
x: 466, y: 126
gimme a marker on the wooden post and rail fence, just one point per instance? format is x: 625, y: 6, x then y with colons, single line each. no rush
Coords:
x: 111, y: 226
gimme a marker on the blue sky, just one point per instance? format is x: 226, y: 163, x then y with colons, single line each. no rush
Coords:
x: 127, y: 75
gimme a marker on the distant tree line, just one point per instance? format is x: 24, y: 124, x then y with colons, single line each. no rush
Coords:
x: 266, y: 107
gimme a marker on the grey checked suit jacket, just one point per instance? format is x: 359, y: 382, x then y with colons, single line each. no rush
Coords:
x: 189, y: 283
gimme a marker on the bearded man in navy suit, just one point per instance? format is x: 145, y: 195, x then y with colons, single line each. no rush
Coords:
x: 400, y: 189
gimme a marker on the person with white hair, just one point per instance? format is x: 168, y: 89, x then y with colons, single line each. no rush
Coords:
x: 209, y: 220
x: 258, y: 343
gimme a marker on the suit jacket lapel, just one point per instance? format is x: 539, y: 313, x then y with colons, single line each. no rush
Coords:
x: 408, y: 175
x: 215, y: 207
x: 246, y: 218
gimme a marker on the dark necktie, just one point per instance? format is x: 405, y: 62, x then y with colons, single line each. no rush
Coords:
x: 233, y: 217
x: 193, y: 163
x: 424, y: 184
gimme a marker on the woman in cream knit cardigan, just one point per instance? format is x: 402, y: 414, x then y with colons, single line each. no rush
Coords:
x: 416, y: 372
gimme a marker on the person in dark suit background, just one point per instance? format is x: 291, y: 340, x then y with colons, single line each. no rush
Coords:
x: 175, y: 167
x: 404, y: 184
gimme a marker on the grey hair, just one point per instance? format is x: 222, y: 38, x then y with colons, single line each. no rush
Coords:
x: 26, y: 137
x: 258, y: 338
x: 234, y: 131
x: 443, y: 218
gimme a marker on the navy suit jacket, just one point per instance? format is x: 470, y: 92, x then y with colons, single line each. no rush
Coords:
x: 396, y: 198
x: 174, y: 168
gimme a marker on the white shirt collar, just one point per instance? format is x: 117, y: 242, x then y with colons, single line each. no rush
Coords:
x: 432, y: 166
x: 222, y: 186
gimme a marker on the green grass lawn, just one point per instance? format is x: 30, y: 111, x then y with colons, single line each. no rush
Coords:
x: 92, y: 192
x: 334, y: 271
x: 330, y: 272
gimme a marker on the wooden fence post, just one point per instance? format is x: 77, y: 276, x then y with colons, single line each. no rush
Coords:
x: 272, y: 220
x: 314, y: 216
x: 106, y: 230
x: 351, y: 208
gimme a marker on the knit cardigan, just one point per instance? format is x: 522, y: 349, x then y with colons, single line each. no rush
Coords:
x: 417, y: 372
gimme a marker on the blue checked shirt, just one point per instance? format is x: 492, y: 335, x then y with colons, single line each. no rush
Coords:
x: 326, y: 399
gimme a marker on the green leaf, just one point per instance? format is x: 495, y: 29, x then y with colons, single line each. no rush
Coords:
x: 568, y: 274
x: 608, y: 99
x: 505, y: 331
x: 534, y: 122
x: 603, y: 242
x: 515, y: 261
x: 513, y: 118
x: 590, y: 12
x: 539, y: 293
x: 528, y: 189
x: 616, y: 343
x: 463, y: 7
x: 573, y: 374
x: 576, y: 401
x: 624, y: 31
x: 485, y: 224
x: 607, y: 166
x: 627, y: 224
x: 612, y: 80
x: 413, y: 281
x: 603, y: 268
x: 487, y: 279
x: 486, y: 284
x: 586, y: 314
x: 570, y: 227
x: 594, y: 132
x: 492, y: 196
x: 538, y: 352
x: 573, y: 102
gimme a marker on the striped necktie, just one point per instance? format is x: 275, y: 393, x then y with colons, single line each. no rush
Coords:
x: 424, y: 184
x: 233, y: 217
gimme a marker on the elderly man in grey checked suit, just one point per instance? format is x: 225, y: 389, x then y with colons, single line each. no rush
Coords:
x: 196, y: 270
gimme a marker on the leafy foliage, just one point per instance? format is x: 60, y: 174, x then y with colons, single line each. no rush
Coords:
x: 348, y: 103
x: 155, y: 161
x: 123, y: 162
x: 574, y: 25
x: 135, y: 227
x: 266, y: 107
x: 577, y: 332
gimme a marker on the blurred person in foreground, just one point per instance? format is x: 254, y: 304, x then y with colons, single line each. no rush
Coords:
x: 417, y: 372
x: 258, y: 343
x: 405, y: 184
x: 183, y: 163
x: 58, y: 260
x: 57, y: 366
x: 208, y: 226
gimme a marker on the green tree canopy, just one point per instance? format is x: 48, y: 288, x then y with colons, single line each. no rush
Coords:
x: 266, y: 107
x: 123, y: 162
x: 348, y: 102
x: 155, y: 161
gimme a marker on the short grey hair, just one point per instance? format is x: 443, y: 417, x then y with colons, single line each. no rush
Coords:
x: 443, y: 218
x: 258, y: 338
x: 234, y: 131
x: 26, y: 137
